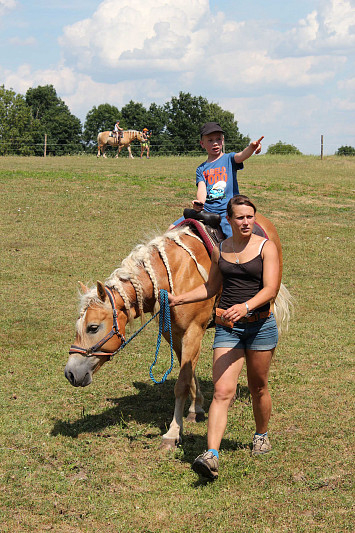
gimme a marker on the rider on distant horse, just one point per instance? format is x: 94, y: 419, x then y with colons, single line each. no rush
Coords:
x: 117, y: 131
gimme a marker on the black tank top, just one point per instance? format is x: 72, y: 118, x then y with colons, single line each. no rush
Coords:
x: 241, y: 281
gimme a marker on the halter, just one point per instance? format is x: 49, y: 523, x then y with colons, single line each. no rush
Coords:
x: 115, y: 330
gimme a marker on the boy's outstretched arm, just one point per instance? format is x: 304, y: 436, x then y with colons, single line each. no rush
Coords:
x: 254, y: 146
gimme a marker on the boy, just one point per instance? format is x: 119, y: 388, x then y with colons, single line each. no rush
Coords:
x: 117, y: 131
x: 216, y: 178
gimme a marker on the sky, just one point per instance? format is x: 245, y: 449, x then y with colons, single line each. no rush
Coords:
x: 284, y: 69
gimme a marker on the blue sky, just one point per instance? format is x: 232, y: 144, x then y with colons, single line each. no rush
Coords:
x: 285, y: 69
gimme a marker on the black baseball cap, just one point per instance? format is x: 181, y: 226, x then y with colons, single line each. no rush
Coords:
x: 210, y: 127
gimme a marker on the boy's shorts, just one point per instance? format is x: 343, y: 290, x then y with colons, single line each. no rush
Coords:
x: 261, y: 335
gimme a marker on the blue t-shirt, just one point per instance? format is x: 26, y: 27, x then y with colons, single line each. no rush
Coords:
x: 220, y: 178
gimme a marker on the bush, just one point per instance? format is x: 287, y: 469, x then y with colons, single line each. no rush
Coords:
x: 345, y: 150
x: 283, y: 148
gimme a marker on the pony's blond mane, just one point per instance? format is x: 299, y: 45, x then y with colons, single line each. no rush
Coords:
x: 130, y: 269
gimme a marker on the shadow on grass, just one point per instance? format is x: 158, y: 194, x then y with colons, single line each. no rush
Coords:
x: 152, y: 405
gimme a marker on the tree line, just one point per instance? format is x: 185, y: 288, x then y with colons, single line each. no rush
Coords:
x: 26, y: 119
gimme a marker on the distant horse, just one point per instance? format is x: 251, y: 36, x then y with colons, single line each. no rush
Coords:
x: 177, y: 261
x: 105, y: 138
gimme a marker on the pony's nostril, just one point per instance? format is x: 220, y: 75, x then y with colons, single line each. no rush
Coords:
x: 70, y: 377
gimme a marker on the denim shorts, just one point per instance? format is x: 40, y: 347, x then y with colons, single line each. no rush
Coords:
x: 260, y: 335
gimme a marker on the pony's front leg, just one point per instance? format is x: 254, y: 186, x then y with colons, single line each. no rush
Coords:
x: 173, y: 437
x: 191, y: 345
x: 130, y: 152
x: 196, y: 411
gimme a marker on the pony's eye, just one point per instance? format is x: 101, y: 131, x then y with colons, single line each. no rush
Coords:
x: 92, y: 328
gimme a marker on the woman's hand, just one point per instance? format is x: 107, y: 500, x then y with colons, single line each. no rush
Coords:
x: 236, y: 312
x: 171, y: 299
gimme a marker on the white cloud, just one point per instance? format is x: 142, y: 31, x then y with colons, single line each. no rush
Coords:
x: 330, y: 29
x: 6, y: 5
x: 347, y: 85
x: 19, y: 41
x: 79, y: 91
x: 127, y: 34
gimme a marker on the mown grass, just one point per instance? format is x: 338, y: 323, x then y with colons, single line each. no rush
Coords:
x: 88, y: 460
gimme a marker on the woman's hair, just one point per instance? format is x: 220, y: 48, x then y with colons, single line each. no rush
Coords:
x: 239, y: 199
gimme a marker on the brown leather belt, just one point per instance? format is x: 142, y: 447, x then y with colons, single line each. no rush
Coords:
x: 255, y: 316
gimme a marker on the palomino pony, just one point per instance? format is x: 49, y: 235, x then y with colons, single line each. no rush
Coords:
x: 177, y: 261
x: 104, y: 139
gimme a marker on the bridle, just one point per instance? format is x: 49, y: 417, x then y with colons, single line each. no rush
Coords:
x: 115, y: 330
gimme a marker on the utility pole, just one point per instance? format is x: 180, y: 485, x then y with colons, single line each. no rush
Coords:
x: 321, y: 146
x: 45, y: 145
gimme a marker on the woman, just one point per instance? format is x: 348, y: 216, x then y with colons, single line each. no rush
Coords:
x: 145, y: 145
x: 246, y: 266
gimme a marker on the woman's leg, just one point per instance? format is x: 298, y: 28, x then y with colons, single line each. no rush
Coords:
x: 227, y: 365
x: 258, y: 365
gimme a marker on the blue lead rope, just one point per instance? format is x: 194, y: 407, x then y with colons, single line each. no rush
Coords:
x: 164, y: 326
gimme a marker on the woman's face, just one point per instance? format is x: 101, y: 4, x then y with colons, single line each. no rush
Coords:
x: 242, y: 220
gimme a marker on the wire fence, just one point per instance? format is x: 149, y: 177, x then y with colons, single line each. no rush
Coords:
x: 18, y: 146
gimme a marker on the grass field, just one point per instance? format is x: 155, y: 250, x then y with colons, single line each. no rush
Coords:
x: 88, y: 460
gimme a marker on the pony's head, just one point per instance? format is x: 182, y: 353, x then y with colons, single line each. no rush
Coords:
x: 141, y: 136
x: 100, y: 331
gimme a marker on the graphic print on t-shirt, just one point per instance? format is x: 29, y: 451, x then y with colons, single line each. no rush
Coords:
x: 218, y: 190
x: 217, y: 177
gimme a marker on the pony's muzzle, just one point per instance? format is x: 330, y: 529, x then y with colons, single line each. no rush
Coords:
x: 77, y: 379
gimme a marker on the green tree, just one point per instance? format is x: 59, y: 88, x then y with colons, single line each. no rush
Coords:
x: 101, y: 118
x: 187, y: 113
x: 283, y: 148
x: 135, y: 116
x: 16, y: 124
x: 52, y: 117
x: 161, y: 142
x: 345, y: 150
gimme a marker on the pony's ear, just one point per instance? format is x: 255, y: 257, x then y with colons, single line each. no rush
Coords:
x: 84, y: 289
x: 101, y: 292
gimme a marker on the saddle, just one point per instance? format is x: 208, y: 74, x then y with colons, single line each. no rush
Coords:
x: 113, y: 134
x: 205, y: 225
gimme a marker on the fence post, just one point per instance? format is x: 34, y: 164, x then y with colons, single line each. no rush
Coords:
x: 45, y: 145
x: 321, y: 146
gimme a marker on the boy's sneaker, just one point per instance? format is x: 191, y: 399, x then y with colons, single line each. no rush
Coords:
x: 206, y: 465
x: 261, y: 444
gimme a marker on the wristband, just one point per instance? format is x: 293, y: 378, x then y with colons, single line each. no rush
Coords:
x: 247, y: 306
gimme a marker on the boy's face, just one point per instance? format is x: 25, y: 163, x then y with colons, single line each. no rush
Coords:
x: 213, y: 143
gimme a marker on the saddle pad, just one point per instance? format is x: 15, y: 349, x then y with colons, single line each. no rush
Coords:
x: 200, y: 229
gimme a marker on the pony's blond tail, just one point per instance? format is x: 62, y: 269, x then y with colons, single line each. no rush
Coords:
x: 283, y: 308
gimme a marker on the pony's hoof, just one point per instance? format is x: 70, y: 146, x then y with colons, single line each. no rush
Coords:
x: 169, y: 444
x: 195, y: 417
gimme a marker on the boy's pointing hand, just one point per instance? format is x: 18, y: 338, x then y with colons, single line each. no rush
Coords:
x: 257, y: 145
